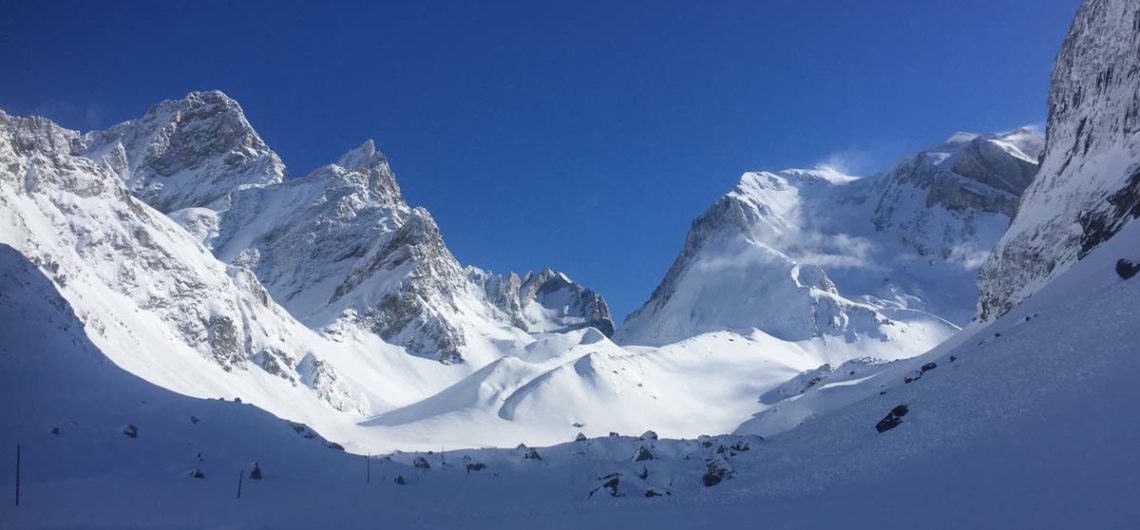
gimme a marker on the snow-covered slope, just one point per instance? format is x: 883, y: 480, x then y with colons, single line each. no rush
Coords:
x: 1089, y: 184
x: 1021, y: 422
x: 162, y: 307
x: 804, y: 254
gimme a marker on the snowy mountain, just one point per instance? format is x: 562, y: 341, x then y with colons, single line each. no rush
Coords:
x: 548, y: 301
x: 1013, y: 423
x: 1089, y: 184
x: 338, y: 247
x: 186, y: 153
x: 803, y: 254
x: 802, y: 318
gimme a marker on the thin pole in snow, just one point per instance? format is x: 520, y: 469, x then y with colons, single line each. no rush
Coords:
x: 17, y: 474
x: 241, y: 474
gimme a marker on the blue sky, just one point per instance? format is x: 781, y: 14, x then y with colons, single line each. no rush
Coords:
x: 580, y: 135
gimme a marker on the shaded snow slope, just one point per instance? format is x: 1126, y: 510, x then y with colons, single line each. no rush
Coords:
x: 1089, y: 184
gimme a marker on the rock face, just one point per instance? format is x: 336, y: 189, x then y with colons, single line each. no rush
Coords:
x: 1088, y: 186
x: 971, y: 176
x: 804, y: 254
x: 186, y: 153
x: 340, y: 248
x: 546, y: 302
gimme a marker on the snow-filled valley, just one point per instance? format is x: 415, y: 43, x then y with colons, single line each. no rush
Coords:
x: 946, y: 343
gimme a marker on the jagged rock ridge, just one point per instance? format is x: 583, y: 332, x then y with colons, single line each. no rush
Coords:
x: 338, y: 248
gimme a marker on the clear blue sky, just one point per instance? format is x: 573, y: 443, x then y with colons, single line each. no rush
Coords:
x: 581, y: 135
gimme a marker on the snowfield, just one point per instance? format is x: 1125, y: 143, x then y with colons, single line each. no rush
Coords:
x: 192, y: 338
x: 1027, y: 426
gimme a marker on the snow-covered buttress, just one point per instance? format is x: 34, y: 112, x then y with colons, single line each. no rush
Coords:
x: 1088, y: 187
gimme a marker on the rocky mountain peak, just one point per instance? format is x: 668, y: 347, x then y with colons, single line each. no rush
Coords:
x: 187, y: 153
x: 366, y: 167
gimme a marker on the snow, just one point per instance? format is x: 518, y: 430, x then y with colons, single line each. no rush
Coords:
x: 1025, y: 429
x: 819, y: 319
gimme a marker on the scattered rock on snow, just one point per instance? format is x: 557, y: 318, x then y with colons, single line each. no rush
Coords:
x: 400, y: 480
x: 717, y: 470
x: 654, y: 492
x: 1126, y: 269
x: 531, y: 454
x: 928, y: 367
x: 475, y: 466
x: 740, y: 446
x: 334, y: 445
x: 610, y: 483
x: 131, y: 430
x: 642, y: 454
x: 421, y: 463
x: 197, y: 473
x: 892, y: 419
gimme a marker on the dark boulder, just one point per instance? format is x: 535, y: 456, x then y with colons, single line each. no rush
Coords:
x: 642, y: 454
x: 580, y: 438
x: 131, y: 431
x: 609, y: 483
x: 256, y: 473
x: 1126, y: 269
x: 197, y: 473
x: 531, y: 454
x: 475, y: 466
x: 717, y: 470
x: 928, y: 367
x: 400, y: 480
x: 892, y: 419
x: 334, y: 445
x: 421, y: 463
